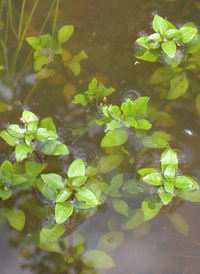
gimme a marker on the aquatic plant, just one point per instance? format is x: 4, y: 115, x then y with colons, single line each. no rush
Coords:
x: 175, y: 48
x: 65, y: 199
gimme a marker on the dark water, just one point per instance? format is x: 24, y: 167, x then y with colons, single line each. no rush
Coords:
x: 106, y: 30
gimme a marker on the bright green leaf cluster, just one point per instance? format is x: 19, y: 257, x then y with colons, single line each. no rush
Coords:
x: 46, y: 48
x: 96, y: 92
x: 129, y: 115
x: 32, y: 135
x: 168, y: 182
x: 167, y: 38
x: 64, y: 191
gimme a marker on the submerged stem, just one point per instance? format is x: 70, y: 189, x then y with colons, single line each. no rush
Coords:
x: 23, y: 36
x: 21, y: 18
x: 31, y: 51
x: 31, y: 91
x: 11, y: 18
x: 1, y: 10
x: 5, y: 55
x: 55, y: 18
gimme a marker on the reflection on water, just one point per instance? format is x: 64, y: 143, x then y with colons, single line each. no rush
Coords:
x: 106, y: 30
x: 9, y: 259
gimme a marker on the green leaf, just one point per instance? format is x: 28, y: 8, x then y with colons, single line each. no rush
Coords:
x: 82, y: 55
x: 171, y: 33
x: 161, y: 75
x: 48, y: 124
x: 65, y: 33
x: 115, y: 137
x: 151, y: 55
x: 159, y: 24
x: 120, y: 206
x: 154, y: 179
x: 63, y: 211
x: 170, y: 172
x: 16, y: 218
x: 193, y: 45
x: 179, y: 223
x: 49, y: 147
x: 155, y: 141
x: 143, y: 124
x: 12, y: 141
x: 21, y: 151
x: 35, y: 42
x: 33, y: 168
x: 78, y: 181
x: 179, y: 86
x: 80, y: 99
x: 158, y: 139
x: 17, y: 179
x: 140, y: 106
x: 108, y: 163
x: 169, y: 186
x: 44, y: 134
x: 134, y: 219
x: 192, y: 196
x: 87, y: 196
x: 116, y: 183
x: 169, y: 48
x: 6, y: 166
x: 155, y: 37
x: 45, y: 73
x: 166, y: 197
x: 145, y: 171
x: 150, y: 207
x: 110, y: 241
x: 63, y: 195
x: 183, y: 181
x: 188, y: 33
x: 46, y: 190
x: 126, y: 107
x: 51, y: 232
x: 16, y: 131
x: 142, y: 42
x: 97, y: 259
x: 75, y: 67
x: 53, y: 180
x: 60, y: 149
x: 40, y: 61
x: 28, y: 116
x: 5, y: 194
x: 169, y: 157
x: 50, y: 247
x: 134, y: 187
x: 77, y: 168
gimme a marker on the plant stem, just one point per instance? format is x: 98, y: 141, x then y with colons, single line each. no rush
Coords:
x: 31, y: 91
x: 55, y: 18
x: 31, y: 51
x: 1, y: 9
x: 23, y: 36
x: 6, y: 29
x: 21, y: 19
x: 5, y: 55
x: 11, y: 18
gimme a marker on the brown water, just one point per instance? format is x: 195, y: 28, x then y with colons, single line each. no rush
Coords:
x: 106, y: 30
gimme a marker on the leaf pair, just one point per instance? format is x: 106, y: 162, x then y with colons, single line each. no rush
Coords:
x: 24, y: 138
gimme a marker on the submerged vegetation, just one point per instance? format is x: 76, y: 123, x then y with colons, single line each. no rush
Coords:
x: 127, y: 132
